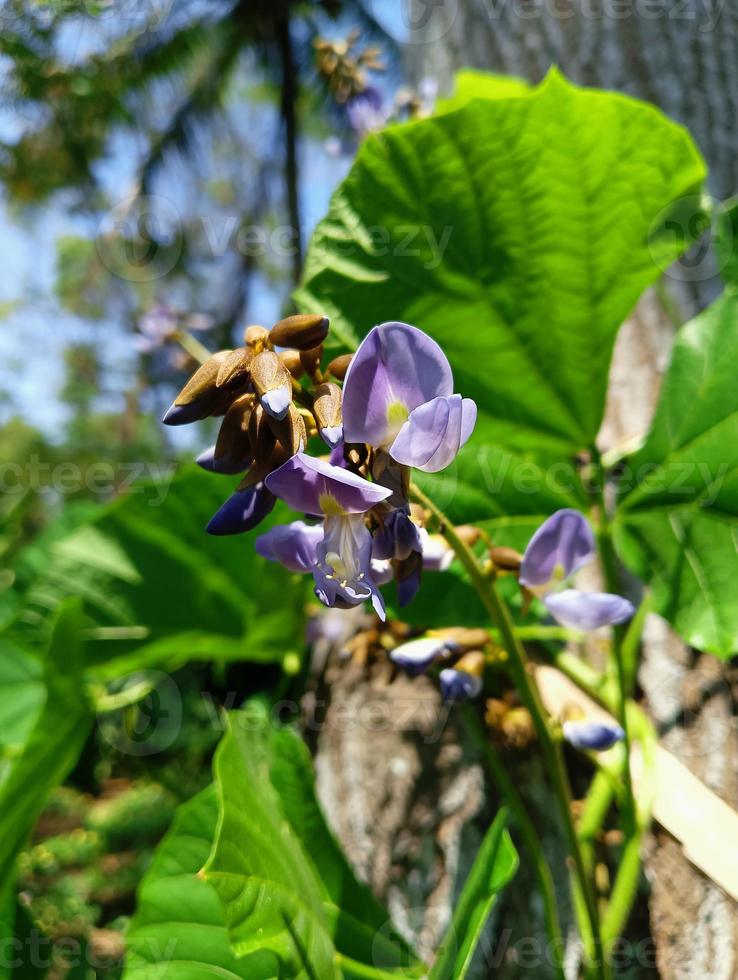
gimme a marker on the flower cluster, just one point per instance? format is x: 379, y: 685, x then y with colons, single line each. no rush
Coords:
x: 396, y: 410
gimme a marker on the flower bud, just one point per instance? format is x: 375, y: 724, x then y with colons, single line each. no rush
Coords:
x: 311, y: 360
x: 339, y: 366
x: 327, y: 412
x: 468, y: 534
x: 304, y: 331
x: 472, y: 663
x: 507, y: 559
x: 263, y: 467
x: 256, y: 337
x: 416, y: 656
x: 235, y: 368
x: 291, y: 360
x: 463, y: 637
x: 261, y: 436
x: 233, y: 440
x: 457, y: 685
x: 596, y: 736
x: 200, y: 396
x: 290, y: 431
x: 272, y: 383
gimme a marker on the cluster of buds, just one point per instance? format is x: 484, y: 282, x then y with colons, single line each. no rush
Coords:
x: 395, y: 410
x: 344, y: 67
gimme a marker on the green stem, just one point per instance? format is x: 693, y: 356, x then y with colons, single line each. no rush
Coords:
x: 531, y: 698
x: 362, y: 971
x: 527, y: 832
x: 193, y: 346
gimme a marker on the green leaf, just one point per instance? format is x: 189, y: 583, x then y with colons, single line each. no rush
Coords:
x: 54, y: 743
x: 677, y: 517
x: 519, y: 232
x: 275, y: 865
x: 159, y: 590
x: 726, y: 241
x: 472, y: 84
x: 21, y: 693
x: 495, y: 864
x: 179, y: 929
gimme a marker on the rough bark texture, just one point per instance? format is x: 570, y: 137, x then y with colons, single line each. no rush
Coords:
x: 409, y: 803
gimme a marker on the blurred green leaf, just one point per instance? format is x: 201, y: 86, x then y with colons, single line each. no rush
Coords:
x: 519, y: 232
x: 22, y: 693
x: 54, y: 743
x: 677, y: 516
x: 159, y: 590
x: 276, y: 867
x: 494, y: 866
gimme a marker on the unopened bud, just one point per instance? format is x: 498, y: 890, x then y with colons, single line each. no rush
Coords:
x: 311, y: 360
x: 272, y: 383
x: 463, y: 638
x: 235, y: 368
x: 508, y: 559
x: 291, y: 360
x: 339, y: 366
x: 468, y: 534
x: 263, y: 467
x: 233, y: 440
x: 256, y: 338
x: 304, y: 331
x: 200, y: 396
x: 472, y: 663
x: 327, y: 412
x: 290, y: 431
x: 260, y: 434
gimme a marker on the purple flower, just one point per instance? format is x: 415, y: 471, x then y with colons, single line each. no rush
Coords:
x: 294, y: 545
x: 593, y: 735
x: 437, y: 555
x: 398, y: 537
x: 243, y: 510
x: 398, y: 395
x: 457, y: 685
x: 156, y: 327
x: 416, y: 656
x: 556, y: 551
x: 367, y: 112
x: 342, y: 570
x: 315, y: 487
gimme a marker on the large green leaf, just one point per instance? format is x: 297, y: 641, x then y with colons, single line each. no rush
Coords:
x: 519, y: 232
x: 677, y: 517
x: 284, y: 883
x: 21, y: 693
x: 158, y: 589
x: 54, y: 743
x: 495, y: 864
x: 179, y: 930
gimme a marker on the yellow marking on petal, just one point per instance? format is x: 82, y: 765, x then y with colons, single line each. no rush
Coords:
x: 397, y: 413
x: 330, y: 506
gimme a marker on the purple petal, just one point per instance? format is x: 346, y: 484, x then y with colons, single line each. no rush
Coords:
x: 184, y: 414
x: 407, y: 587
x: 316, y: 487
x: 457, y: 685
x: 399, y: 536
x: 382, y: 572
x: 434, y: 433
x: 277, y: 401
x: 243, y: 510
x: 332, y: 435
x: 563, y: 543
x: 588, y: 610
x: 223, y: 464
x: 437, y: 555
x: 294, y: 545
x: 416, y: 656
x: 396, y: 368
x: 593, y: 735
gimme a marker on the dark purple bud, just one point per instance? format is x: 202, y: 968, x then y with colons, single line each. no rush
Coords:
x: 457, y: 685
x: 243, y: 510
x: 398, y: 537
x: 223, y: 464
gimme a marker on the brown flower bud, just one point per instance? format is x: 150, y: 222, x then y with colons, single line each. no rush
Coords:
x: 339, y: 366
x: 290, y: 431
x: 327, y: 412
x: 508, y: 559
x: 203, y: 381
x: 291, y: 360
x: 463, y: 637
x: 256, y: 338
x: 233, y: 438
x: 472, y: 663
x: 200, y: 397
x: 263, y: 467
x: 304, y: 331
x: 311, y: 360
x: 260, y: 434
x: 234, y: 370
x: 272, y: 383
x: 468, y: 534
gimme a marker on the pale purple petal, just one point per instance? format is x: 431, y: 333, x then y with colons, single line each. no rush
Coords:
x: 437, y: 555
x: 382, y: 571
x: 316, y: 487
x: 588, y: 610
x: 243, y: 510
x: 343, y: 570
x: 277, y: 401
x: 434, y: 433
x: 396, y: 368
x: 457, y: 685
x: 332, y: 435
x: 416, y: 656
x: 596, y: 736
x: 294, y: 545
x: 561, y: 544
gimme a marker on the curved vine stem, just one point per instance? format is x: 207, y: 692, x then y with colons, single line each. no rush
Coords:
x: 584, y: 894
